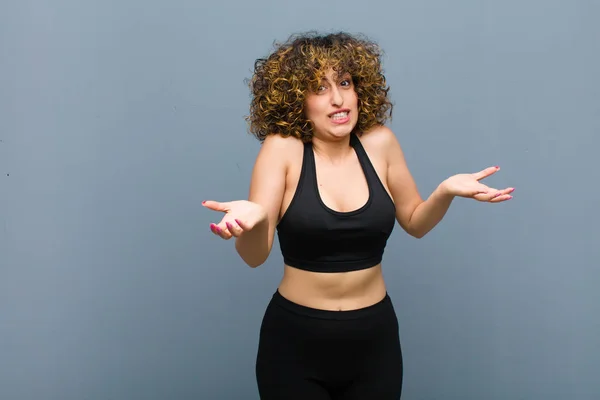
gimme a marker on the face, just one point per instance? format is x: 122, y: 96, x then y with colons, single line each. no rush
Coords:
x: 333, y: 108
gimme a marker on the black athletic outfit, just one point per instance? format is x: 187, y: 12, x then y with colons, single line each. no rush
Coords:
x: 311, y: 354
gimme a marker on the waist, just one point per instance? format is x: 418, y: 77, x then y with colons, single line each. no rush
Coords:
x: 339, y: 291
x: 305, y: 311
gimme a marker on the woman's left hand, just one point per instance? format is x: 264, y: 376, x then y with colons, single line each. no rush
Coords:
x: 468, y: 185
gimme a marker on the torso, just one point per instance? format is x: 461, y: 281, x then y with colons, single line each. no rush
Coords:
x: 342, y: 187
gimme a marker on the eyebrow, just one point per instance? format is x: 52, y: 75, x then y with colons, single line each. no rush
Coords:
x: 344, y: 75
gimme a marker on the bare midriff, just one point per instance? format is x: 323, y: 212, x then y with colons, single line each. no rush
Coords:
x: 340, y: 291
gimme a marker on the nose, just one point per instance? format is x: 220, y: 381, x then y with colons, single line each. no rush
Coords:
x: 336, y: 97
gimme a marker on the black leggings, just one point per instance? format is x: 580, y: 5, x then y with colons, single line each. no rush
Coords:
x: 310, y: 354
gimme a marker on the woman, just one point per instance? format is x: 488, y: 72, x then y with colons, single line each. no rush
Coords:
x: 332, y: 180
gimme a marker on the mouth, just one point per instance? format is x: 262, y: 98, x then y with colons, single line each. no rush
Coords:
x: 340, y: 115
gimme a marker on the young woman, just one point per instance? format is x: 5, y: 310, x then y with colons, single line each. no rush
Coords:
x: 331, y: 179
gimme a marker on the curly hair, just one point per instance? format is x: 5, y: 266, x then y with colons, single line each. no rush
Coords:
x: 281, y: 82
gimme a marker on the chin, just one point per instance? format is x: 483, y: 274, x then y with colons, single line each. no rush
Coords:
x: 339, y: 131
x: 344, y: 130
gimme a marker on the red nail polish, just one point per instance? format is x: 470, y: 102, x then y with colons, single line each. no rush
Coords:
x: 238, y: 222
x: 229, y: 226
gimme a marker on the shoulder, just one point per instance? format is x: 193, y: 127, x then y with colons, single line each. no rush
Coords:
x: 278, y: 146
x: 279, y: 150
x: 379, y: 135
x: 279, y: 142
x: 380, y: 141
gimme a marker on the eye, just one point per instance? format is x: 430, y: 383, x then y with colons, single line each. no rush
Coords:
x: 346, y: 82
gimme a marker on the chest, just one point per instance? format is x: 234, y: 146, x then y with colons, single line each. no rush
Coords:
x: 341, y: 187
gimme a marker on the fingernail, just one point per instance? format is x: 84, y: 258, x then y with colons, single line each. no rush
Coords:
x: 497, y: 167
x: 238, y: 222
x: 229, y: 226
x: 497, y: 194
x: 510, y: 197
x: 203, y: 201
x: 511, y: 190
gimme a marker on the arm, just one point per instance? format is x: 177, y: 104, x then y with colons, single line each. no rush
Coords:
x: 417, y: 217
x: 430, y: 212
x: 266, y: 189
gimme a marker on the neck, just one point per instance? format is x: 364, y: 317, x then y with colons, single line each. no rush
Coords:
x: 333, y: 149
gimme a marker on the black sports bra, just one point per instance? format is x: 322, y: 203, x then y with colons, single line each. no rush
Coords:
x: 316, y: 238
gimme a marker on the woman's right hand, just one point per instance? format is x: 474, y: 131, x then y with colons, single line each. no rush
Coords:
x: 240, y: 216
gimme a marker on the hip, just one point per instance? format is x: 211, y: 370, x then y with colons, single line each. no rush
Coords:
x: 331, y: 329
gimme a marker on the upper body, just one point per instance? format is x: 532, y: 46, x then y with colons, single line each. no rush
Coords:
x: 342, y: 187
x: 319, y: 108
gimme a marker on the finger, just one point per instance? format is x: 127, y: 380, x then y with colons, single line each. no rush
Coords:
x: 486, y: 172
x: 215, y: 205
x: 485, y: 197
x: 488, y: 195
x: 214, y: 228
x: 479, y: 192
x: 503, y: 195
x: 217, y: 230
x: 225, y: 234
x: 483, y: 189
x: 234, y: 229
x: 501, y: 198
x: 495, y: 195
x: 243, y: 225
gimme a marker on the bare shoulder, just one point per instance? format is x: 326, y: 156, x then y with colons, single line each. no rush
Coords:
x: 279, y: 148
x: 380, y: 134
x: 380, y: 141
x: 269, y: 174
x: 275, y: 157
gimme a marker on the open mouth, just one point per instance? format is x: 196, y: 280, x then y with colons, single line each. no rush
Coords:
x: 341, y: 115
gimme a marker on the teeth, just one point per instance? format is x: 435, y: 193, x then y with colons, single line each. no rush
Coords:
x: 340, y: 115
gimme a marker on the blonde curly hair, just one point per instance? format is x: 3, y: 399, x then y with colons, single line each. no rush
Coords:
x: 281, y: 82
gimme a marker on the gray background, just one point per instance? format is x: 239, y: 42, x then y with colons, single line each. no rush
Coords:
x: 117, y: 118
